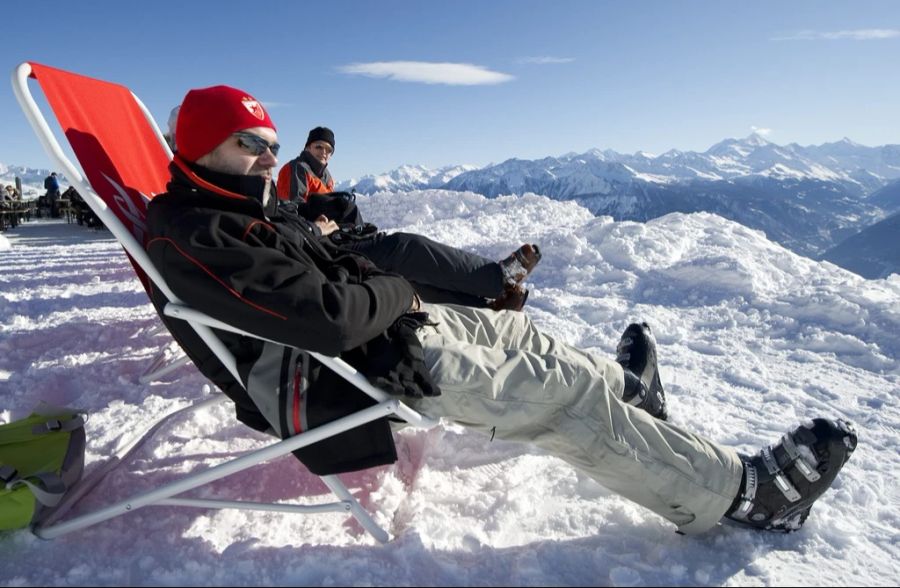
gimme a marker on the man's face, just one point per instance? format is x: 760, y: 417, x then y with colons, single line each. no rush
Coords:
x: 321, y: 151
x: 232, y: 157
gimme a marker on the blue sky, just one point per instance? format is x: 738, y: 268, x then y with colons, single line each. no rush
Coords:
x: 522, y: 78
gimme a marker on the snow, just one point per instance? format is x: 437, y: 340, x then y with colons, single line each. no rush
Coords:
x: 753, y: 338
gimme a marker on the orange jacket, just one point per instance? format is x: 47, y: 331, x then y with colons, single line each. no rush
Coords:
x: 297, y: 180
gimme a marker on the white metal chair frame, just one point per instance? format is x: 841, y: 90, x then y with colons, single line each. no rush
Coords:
x: 202, y: 324
x: 160, y: 366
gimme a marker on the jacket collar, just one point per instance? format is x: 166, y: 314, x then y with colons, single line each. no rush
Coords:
x: 314, y: 164
x: 237, y: 189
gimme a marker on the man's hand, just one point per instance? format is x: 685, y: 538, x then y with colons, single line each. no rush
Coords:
x: 326, y: 225
x: 396, y: 362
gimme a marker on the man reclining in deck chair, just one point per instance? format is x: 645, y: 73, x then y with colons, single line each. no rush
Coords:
x: 491, y: 371
x: 438, y: 272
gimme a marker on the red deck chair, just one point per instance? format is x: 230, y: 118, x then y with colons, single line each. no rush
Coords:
x: 125, y: 162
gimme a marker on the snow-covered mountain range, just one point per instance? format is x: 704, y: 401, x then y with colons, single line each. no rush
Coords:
x: 863, y: 169
x: 8, y: 174
x: 405, y: 178
x: 806, y: 198
x: 32, y: 178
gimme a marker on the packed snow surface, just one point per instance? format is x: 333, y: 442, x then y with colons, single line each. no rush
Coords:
x: 753, y: 339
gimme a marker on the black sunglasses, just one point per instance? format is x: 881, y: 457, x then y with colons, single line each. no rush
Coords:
x: 256, y: 144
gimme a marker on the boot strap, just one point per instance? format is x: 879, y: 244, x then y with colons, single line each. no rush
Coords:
x: 809, y: 471
x: 780, y: 479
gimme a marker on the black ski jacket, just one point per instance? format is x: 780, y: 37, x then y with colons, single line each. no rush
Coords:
x: 219, y: 252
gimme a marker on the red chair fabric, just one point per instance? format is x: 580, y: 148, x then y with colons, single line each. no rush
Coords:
x: 116, y: 146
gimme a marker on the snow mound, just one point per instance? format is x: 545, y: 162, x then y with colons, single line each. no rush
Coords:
x: 752, y: 339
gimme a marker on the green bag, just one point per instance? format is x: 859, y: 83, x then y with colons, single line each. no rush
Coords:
x: 41, y: 458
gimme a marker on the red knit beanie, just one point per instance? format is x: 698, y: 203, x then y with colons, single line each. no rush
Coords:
x: 209, y: 115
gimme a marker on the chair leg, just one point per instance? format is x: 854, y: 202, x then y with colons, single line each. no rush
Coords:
x: 158, y: 368
x: 356, y: 509
x: 250, y: 459
x: 87, y: 483
x: 159, y: 328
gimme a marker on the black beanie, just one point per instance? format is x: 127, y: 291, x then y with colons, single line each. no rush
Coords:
x: 321, y: 134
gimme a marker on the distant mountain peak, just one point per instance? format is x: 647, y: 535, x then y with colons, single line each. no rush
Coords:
x: 846, y: 143
x: 672, y: 153
x: 756, y: 139
x: 740, y: 148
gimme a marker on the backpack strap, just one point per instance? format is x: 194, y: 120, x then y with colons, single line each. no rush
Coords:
x: 38, y: 425
x: 48, y: 489
x: 8, y: 474
x: 54, y: 425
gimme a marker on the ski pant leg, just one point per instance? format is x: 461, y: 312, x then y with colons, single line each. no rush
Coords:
x: 497, y: 371
x: 432, y: 264
x: 441, y: 296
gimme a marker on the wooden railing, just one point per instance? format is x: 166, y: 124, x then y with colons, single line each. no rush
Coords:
x: 13, y: 212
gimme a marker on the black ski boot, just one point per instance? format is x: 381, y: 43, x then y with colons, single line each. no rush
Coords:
x: 636, y: 353
x: 782, y: 481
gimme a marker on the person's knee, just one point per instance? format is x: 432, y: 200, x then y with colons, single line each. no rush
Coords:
x: 407, y: 247
x: 406, y: 240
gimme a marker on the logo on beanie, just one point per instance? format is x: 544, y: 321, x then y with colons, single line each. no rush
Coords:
x: 253, y: 107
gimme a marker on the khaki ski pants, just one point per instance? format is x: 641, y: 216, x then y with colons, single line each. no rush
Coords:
x: 496, y: 369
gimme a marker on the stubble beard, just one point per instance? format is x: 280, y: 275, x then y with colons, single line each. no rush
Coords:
x: 266, y: 191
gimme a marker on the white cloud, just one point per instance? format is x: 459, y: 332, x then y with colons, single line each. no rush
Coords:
x: 453, y: 74
x: 855, y: 35
x: 762, y: 131
x: 546, y: 60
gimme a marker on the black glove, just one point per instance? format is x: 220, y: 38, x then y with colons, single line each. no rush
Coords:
x: 337, y: 206
x: 353, y: 233
x: 363, y: 230
x: 395, y: 361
